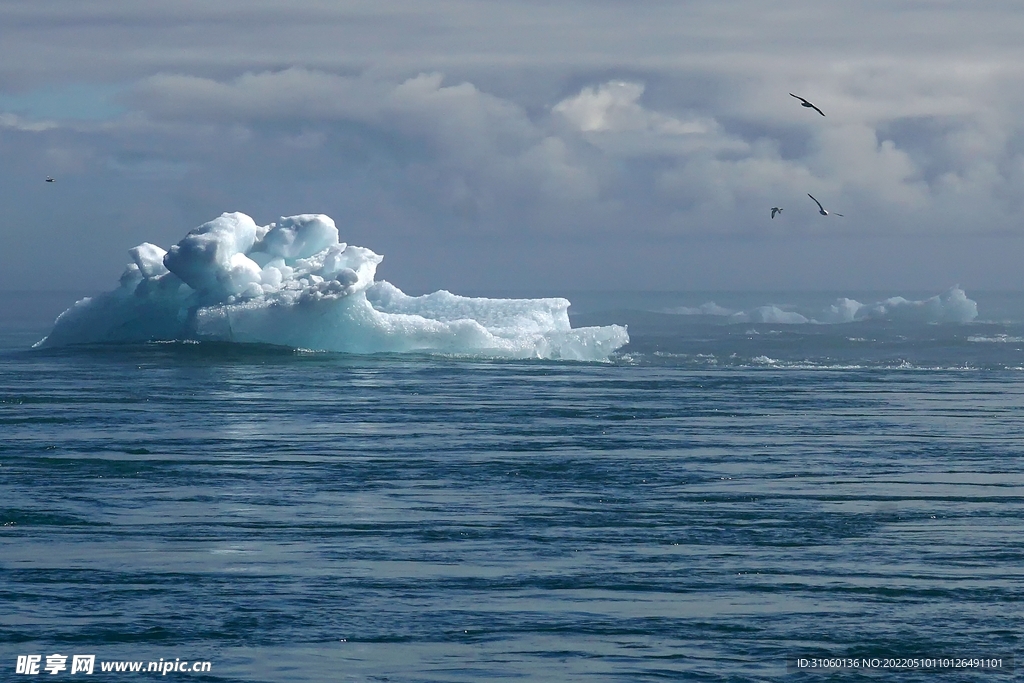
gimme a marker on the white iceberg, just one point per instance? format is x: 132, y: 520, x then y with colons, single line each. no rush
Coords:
x: 952, y: 306
x: 293, y: 283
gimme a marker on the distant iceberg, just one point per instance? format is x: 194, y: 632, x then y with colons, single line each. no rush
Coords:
x: 952, y: 306
x: 293, y: 283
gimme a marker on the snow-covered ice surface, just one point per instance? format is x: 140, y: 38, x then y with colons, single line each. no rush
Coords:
x: 293, y: 283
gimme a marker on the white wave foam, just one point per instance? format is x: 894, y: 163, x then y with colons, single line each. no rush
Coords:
x: 997, y: 339
x: 952, y: 306
x: 292, y: 283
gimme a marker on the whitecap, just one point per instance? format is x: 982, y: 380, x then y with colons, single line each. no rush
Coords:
x: 997, y: 339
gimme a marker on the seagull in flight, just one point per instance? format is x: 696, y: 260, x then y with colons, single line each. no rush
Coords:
x: 821, y: 209
x: 49, y: 179
x: 805, y: 103
x: 775, y: 210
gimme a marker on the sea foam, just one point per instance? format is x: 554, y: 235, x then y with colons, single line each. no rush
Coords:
x: 293, y: 283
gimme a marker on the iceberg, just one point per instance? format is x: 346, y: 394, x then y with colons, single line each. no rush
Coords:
x: 952, y: 306
x: 294, y: 283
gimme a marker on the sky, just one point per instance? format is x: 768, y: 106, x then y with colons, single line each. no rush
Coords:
x: 504, y: 146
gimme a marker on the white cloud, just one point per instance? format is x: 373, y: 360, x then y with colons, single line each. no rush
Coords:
x: 591, y: 162
x: 614, y: 107
x: 14, y: 122
x: 550, y: 119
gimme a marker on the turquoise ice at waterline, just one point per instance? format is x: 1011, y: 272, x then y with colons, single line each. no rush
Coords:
x: 293, y: 283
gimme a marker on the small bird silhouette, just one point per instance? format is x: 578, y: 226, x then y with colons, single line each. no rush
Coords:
x: 821, y: 209
x: 49, y: 179
x: 805, y: 103
x: 775, y: 210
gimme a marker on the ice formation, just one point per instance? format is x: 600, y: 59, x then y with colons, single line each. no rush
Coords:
x: 293, y: 283
x: 952, y: 306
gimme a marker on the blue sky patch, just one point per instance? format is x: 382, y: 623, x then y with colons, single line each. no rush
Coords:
x: 77, y: 101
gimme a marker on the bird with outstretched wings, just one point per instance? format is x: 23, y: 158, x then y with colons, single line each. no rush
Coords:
x: 805, y: 103
x: 821, y: 209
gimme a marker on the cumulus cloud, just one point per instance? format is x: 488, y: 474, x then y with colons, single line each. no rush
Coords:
x: 476, y: 156
x: 492, y: 124
x: 589, y: 162
x: 614, y: 107
x: 290, y: 94
x: 594, y: 158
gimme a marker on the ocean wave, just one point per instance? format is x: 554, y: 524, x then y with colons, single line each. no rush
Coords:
x: 767, y: 363
x: 293, y: 283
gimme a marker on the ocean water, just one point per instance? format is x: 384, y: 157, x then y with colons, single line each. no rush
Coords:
x: 721, y: 498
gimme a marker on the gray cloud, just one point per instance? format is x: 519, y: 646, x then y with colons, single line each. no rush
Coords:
x: 518, y: 127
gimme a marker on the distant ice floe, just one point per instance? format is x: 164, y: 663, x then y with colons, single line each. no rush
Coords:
x: 293, y: 283
x: 952, y: 306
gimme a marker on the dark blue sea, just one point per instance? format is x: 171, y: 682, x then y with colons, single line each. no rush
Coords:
x: 734, y: 491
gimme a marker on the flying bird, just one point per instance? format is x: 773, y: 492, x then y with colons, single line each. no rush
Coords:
x: 805, y: 103
x: 821, y: 209
x: 775, y: 210
x: 49, y: 179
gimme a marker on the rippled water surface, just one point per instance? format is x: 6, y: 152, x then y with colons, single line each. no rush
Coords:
x: 718, y: 499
